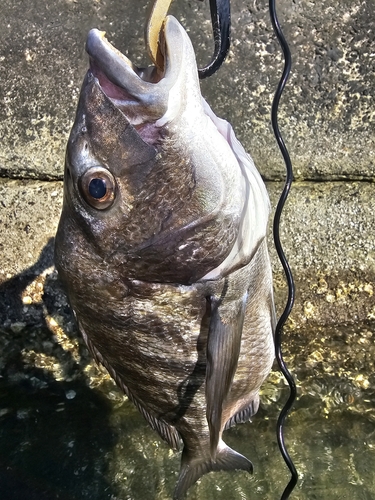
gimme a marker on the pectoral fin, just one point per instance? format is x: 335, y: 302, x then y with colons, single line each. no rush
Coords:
x: 223, y: 348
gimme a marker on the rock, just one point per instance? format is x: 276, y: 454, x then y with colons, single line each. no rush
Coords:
x: 326, y: 112
x: 326, y: 117
x: 328, y: 234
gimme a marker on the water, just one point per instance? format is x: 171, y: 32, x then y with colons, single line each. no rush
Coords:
x: 66, y: 432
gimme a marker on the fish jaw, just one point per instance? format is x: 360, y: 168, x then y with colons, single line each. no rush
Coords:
x: 169, y: 105
x: 148, y: 95
x: 168, y: 222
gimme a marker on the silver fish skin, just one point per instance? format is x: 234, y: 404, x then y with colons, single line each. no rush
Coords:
x: 161, y: 247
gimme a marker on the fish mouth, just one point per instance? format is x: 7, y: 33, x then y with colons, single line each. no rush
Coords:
x: 142, y: 94
x: 115, y: 72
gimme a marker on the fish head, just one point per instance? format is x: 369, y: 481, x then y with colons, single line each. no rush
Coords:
x: 113, y: 143
x: 151, y: 184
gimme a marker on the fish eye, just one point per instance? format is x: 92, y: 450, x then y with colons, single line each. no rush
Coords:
x: 98, y: 188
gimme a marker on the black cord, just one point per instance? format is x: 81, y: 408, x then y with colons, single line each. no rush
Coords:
x: 276, y: 235
x: 220, y: 19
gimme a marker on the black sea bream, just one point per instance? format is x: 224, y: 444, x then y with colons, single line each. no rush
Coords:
x: 162, y: 249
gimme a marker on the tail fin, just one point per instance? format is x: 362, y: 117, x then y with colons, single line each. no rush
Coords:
x: 193, y: 469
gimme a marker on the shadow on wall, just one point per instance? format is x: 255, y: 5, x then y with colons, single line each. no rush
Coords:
x: 54, y: 428
x: 66, y: 432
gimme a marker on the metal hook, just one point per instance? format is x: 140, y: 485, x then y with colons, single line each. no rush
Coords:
x: 220, y: 19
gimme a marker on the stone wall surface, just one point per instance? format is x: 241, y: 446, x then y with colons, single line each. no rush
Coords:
x: 326, y: 116
x: 327, y: 113
x: 333, y: 260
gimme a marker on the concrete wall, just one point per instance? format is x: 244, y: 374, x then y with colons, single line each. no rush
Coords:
x: 326, y: 116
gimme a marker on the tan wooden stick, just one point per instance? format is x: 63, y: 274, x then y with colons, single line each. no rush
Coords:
x: 158, y: 12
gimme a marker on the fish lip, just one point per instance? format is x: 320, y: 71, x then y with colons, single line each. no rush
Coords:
x: 97, y: 46
x: 147, y: 95
x: 115, y: 71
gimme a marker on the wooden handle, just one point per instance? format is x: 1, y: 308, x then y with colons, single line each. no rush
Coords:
x: 158, y: 13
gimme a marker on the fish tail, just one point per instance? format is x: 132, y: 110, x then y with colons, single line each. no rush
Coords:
x: 193, y: 469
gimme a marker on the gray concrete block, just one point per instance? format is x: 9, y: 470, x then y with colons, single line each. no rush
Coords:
x: 327, y: 110
x: 328, y: 234
x: 327, y: 231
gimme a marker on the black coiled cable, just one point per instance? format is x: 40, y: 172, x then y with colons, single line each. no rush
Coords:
x: 276, y: 235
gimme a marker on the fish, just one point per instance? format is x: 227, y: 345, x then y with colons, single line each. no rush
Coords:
x: 161, y: 247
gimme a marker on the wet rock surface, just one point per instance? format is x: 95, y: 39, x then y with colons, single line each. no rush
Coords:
x: 67, y: 432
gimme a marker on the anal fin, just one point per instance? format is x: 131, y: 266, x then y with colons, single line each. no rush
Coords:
x: 244, y: 415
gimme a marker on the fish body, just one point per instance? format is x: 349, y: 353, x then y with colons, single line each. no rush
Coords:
x: 162, y: 249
